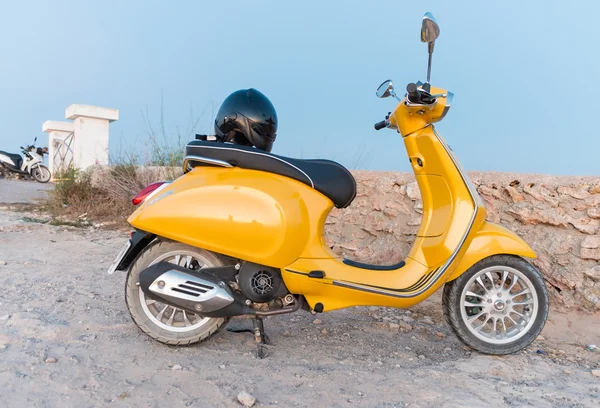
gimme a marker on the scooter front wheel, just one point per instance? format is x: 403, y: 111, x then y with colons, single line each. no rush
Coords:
x: 498, y: 306
x: 165, y: 323
x: 41, y: 173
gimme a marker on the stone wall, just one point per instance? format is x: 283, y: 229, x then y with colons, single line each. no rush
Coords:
x: 558, y: 216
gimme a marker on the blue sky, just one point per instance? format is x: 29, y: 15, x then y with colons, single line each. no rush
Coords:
x: 524, y: 73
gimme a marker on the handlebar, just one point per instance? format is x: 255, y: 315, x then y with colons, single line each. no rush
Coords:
x: 381, y: 125
x: 414, y: 95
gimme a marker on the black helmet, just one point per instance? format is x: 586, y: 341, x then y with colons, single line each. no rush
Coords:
x: 247, y: 117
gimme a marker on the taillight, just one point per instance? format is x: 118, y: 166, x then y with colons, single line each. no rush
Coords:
x: 142, y: 195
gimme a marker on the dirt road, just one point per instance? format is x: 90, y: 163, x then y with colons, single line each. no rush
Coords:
x: 66, y: 340
x: 19, y: 191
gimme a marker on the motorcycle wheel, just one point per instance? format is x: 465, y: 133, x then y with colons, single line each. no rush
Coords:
x: 41, y: 173
x: 498, y: 306
x: 168, y: 324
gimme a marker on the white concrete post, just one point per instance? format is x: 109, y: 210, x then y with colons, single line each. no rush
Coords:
x: 90, y: 145
x: 57, y: 131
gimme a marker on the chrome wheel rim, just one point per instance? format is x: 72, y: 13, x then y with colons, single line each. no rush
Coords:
x: 169, y: 317
x: 499, y: 304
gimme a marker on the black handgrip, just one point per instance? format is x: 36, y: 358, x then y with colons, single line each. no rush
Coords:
x: 414, y: 95
x: 380, y: 125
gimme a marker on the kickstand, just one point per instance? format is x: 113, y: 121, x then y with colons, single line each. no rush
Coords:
x: 260, y: 336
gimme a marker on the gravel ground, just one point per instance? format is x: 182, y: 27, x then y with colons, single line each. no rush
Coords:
x: 66, y: 340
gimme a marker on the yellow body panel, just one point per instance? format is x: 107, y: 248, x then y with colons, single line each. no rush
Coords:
x: 252, y: 215
x: 452, y: 215
x: 272, y: 220
x: 492, y: 239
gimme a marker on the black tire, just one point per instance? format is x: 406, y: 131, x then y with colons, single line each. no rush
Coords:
x: 41, y: 173
x: 141, y: 318
x: 455, y: 316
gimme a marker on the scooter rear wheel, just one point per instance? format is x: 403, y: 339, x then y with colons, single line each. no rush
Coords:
x: 498, y: 306
x: 164, y: 323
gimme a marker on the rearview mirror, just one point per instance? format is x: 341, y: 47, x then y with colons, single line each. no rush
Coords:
x: 385, y: 89
x: 430, y: 31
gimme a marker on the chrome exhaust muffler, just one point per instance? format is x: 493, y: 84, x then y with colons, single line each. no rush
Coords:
x: 198, y: 292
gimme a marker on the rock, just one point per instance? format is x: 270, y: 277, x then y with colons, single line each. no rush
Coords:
x: 324, y: 331
x: 596, y: 373
x: 536, y: 216
x: 412, y: 191
x: 421, y: 357
x: 587, y: 253
x: 317, y: 321
x: 593, y: 273
x: 440, y: 335
x: 427, y: 321
x: 514, y: 194
x: 419, y: 207
x: 176, y: 367
x: 408, y: 319
x: 447, y: 349
x: 394, y: 326
x: 593, y: 213
x: 567, y: 372
x: 490, y: 192
x: 540, y: 338
x: 405, y: 326
x: 4, y: 317
x: 592, y: 242
x: 2, y: 346
x: 2, y: 263
x: 413, y: 222
x: 583, y: 205
x: 246, y: 399
x: 51, y: 360
x: 222, y: 366
x: 586, y: 225
x: 580, y: 193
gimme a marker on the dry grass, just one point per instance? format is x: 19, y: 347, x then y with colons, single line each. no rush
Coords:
x: 75, y: 197
x: 102, y: 194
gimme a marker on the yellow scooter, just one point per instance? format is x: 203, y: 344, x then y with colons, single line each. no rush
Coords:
x: 242, y: 233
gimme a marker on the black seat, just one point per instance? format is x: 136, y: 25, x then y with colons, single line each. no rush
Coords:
x: 326, y: 176
x: 16, y: 158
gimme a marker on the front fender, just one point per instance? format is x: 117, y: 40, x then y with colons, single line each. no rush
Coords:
x: 492, y: 239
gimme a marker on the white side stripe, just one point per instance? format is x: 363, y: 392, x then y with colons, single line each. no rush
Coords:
x: 312, y: 184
